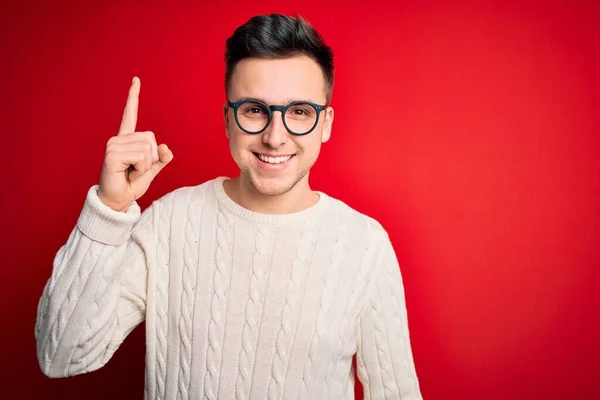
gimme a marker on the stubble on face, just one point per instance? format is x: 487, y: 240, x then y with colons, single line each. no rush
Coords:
x: 275, y: 82
x: 260, y: 186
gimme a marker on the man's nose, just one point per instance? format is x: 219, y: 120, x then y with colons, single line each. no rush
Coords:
x: 275, y: 135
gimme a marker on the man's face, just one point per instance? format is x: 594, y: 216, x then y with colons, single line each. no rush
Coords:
x: 277, y: 82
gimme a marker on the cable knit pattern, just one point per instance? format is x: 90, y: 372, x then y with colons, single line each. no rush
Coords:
x: 238, y: 304
x: 357, y: 293
x: 394, y: 288
x: 218, y: 308
x: 295, y: 291
x: 97, y: 330
x: 162, y: 298
x: 387, y: 372
x: 383, y: 358
x: 397, y: 294
x: 43, y: 318
x: 68, y: 304
x: 260, y: 264
x: 65, y: 254
x: 188, y: 283
x: 328, y: 297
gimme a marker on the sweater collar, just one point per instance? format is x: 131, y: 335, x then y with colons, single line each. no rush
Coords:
x: 237, y: 210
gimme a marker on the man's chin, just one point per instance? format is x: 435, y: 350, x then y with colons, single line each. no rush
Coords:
x: 272, y: 186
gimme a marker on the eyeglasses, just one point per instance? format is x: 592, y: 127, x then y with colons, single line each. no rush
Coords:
x: 299, y: 117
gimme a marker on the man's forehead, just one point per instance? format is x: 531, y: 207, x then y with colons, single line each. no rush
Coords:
x: 278, y: 81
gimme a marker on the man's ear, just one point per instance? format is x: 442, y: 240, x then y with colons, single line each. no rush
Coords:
x: 329, y: 114
x: 225, y: 109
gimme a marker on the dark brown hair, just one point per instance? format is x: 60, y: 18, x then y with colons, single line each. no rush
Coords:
x: 278, y: 36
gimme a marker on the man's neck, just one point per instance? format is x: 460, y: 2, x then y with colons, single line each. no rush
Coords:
x: 299, y: 198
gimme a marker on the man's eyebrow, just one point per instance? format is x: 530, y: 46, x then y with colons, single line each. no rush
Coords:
x: 251, y: 98
x: 286, y: 102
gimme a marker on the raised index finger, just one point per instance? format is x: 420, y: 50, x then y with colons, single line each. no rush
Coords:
x: 131, y: 108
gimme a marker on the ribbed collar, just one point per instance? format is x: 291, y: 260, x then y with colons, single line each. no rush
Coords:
x: 237, y: 210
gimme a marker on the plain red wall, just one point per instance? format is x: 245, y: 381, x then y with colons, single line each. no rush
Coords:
x: 469, y: 129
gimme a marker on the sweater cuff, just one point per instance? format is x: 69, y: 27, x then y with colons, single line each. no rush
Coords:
x: 101, y: 223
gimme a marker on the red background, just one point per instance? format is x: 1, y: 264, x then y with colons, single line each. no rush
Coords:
x: 469, y: 129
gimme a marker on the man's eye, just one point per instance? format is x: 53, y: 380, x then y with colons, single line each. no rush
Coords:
x: 255, y: 110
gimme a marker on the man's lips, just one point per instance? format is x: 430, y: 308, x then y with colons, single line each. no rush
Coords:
x: 273, y: 159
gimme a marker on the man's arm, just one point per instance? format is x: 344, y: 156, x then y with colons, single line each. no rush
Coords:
x: 96, y: 294
x: 385, y: 362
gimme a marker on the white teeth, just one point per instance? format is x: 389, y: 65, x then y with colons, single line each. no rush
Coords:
x: 274, y: 160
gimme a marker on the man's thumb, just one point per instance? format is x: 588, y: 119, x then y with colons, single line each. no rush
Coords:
x: 165, y: 156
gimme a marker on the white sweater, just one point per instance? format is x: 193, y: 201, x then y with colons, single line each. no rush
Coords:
x: 237, y: 304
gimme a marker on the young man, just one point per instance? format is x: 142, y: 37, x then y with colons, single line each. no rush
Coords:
x: 254, y: 287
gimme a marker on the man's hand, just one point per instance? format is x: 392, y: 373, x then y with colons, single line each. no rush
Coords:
x: 132, y: 159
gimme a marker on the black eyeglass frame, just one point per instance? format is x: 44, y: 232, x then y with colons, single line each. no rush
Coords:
x: 270, y: 108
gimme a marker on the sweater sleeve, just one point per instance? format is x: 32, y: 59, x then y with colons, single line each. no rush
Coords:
x: 96, y: 294
x: 385, y: 364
